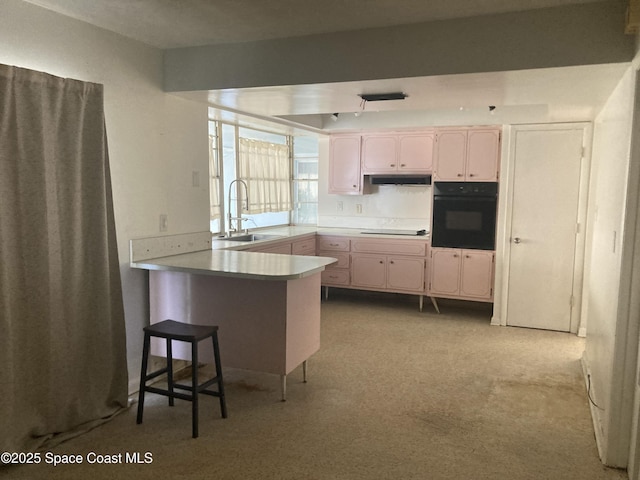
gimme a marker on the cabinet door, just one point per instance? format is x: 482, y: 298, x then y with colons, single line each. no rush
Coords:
x: 451, y: 153
x: 405, y: 273
x: 445, y: 271
x: 344, y: 165
x: 379, y: 154
x: 368, y: 271
x: 415, y: 153
x: 476, y: 278
x: 483, y: 153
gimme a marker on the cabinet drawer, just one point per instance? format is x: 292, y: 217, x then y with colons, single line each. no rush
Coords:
x: 341, y: 244
x: 284, y: 248
x: 335, y: 276
x: 343, y: 259
x: 305, y: 246
x: 389, y: 246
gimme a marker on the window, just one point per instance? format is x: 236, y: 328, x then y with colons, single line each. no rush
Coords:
x: 215, y: 177
x: 281, y: 172
x: 305, y: 181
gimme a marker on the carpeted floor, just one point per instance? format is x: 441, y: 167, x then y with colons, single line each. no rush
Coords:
x: 392, y: 394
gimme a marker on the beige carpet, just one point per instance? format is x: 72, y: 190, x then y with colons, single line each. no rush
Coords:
x: 392, y: 394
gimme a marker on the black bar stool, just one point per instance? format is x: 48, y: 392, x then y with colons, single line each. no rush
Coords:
x: 184, y: 332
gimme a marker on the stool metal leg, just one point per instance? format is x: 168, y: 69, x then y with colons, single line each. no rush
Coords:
x: 304, y: 371
x: 216, y: 357
x: 170, y: 372
x: 143, y: 376
x: 194, y: 388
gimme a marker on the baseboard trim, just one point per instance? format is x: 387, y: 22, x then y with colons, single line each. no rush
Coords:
x: 595, y: 413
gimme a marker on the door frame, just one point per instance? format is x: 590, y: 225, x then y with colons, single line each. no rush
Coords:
x: 505, y: 213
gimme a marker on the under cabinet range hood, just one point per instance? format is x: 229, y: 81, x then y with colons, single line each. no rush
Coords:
x: 400, y: 179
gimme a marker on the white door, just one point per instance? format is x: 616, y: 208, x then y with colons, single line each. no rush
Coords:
x: 546, y: 189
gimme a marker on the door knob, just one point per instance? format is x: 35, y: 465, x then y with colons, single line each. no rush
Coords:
x: 517, y: 240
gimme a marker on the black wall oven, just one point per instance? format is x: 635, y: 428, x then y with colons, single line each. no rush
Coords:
x: 464, y: 215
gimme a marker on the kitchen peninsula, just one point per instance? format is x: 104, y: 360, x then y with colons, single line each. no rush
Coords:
x: 266, y: 305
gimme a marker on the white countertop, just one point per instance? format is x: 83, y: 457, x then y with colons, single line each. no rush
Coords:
x: 232, y: 263
x: 227, y: 258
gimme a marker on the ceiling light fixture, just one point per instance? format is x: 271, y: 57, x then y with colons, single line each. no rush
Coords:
x: 334, y: 117
x: 377, y: 97
x: 492, y: 108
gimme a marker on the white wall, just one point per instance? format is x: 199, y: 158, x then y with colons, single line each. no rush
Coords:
x: 386, y: 206
x: 155, y: 139
x: 607, y: 350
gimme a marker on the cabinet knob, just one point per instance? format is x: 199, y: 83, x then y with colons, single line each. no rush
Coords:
x: 402, y: 165
x: 381, y: 261
x: 460, y: 175
x: 517, y: 240
x: 392, y: 165
x: 455, y: 255
x: 472, y: 174
x: 391, y: 262
x: 353, y: 186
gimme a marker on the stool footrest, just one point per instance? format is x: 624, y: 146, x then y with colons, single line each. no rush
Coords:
x: 199, y: 388
x: 155, y: 374
x: 166, y: 393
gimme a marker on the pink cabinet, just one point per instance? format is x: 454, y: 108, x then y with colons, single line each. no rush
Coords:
x: 336, y: 274
x: 280, y: 247
x: 345, y: 177
x: 451, y: 154
x: 379, y: 154
x: 304, y: 246
x: 415, y: 152
x: 388, y: 272
x: 397, y: 153
x: 476, y: 278
x: 445, y: 272
x: 483, y: 153
x: 465, y: 274
x: 467, y: 155
x: 405, y: 274
x: 368, y: 271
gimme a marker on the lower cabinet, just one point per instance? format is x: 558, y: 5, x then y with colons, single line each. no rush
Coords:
x: 337, y: 274
x: 282, y: 248
x: 388, y: 272
x: 460, y: 273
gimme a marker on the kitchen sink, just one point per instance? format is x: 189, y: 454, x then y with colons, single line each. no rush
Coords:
x: 251, y: 237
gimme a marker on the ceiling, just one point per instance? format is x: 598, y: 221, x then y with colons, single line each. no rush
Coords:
x: 186, y: 23
x: 537, y: 95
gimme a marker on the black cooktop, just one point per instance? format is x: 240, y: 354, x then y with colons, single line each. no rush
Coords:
x: 410, y: 233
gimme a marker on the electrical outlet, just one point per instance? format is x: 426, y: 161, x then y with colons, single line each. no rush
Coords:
x: 195, y: 178
x: 340, y: 206
x: 358, y: 208
x: 164, y: 222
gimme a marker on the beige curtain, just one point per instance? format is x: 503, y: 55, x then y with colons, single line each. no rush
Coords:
x: 266, y: 168
x: 62, y: 338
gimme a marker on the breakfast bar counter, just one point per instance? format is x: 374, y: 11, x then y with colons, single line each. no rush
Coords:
x: 267, y: 306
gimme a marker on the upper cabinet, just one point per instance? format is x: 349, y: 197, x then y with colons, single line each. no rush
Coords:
x: 345, y: 176
x: 467, y: 155
x: 397, y: 153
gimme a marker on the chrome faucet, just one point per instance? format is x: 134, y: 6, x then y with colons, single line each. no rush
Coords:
x: 245, y: 206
